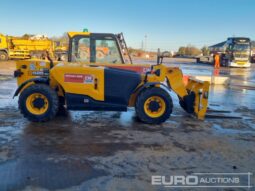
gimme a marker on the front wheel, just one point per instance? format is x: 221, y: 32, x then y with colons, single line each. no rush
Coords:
x: 3, y: 56
x: 38, y: 103
x: 154, y: 106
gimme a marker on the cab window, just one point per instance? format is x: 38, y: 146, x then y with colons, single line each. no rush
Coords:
x: 81, y: 49
x: 230, y: 47
x: 107, y: 51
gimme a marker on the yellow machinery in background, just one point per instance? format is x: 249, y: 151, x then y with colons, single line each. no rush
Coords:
x: 91, y: 82
x: 27, y: 47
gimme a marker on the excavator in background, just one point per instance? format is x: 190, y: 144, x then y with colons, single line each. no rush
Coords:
x: 109, y: 83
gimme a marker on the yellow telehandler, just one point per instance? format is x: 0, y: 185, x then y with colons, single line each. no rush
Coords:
x: 106, y: 83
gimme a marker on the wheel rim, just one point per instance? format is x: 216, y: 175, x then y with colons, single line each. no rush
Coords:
x: 2, y: 57
x: 37, y: 103
x: 154, y: 106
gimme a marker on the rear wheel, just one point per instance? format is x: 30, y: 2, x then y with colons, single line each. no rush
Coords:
x: 3, y: 56
x: 154, y: 105
x: 38, y: 103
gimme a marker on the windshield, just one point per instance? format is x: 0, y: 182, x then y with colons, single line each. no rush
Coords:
x: 241, y: 47
x: 107, y: 51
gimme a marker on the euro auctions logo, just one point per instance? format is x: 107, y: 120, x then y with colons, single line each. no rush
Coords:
x: 168, y: 181
x: 204, y: 180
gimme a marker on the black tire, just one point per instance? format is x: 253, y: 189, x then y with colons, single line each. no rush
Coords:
x: 3, y: 56
x: 51, y: 97
x: 141, y: 99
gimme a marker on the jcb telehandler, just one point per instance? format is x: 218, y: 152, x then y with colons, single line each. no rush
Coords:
x: 88, y: 82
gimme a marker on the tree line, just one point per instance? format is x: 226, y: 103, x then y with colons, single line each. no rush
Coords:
x: 193, y: 51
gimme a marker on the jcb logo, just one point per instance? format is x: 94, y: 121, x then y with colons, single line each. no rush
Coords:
x: 88, y: 79
x: 146, y: 69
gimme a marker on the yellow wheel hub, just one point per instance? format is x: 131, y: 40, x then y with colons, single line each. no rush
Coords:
x: 154, y: 106
x: 37, y: 103
x: 2, y: 57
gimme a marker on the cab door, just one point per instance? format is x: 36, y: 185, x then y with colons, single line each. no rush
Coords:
x: 105, y: 49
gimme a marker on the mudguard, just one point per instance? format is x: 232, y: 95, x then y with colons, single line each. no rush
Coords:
x: 35, y: 80
x: 151, y: 84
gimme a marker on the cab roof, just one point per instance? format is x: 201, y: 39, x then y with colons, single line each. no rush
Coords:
x: 72, y: 34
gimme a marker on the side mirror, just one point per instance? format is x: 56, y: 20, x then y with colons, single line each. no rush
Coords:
x: 160, y: 56
x: 165, y: 54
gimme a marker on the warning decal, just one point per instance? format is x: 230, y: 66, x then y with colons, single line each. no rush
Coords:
x: 79, y: 78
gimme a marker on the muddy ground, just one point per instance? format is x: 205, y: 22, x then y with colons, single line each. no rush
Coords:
x: 114, y: 151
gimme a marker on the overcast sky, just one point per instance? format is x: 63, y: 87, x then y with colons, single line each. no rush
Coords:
x: 167, y: 24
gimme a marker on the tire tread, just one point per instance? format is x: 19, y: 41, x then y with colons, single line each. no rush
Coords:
x: 50, y: 114
x: 140, y: 103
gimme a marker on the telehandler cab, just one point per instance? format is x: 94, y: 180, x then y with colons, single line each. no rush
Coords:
x: 108, y: 83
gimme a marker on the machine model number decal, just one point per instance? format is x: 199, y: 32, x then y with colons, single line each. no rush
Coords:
x: 79, y: 78
x: 40, y: 73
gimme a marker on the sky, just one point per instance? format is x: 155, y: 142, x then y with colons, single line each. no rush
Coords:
x: 167, y: 24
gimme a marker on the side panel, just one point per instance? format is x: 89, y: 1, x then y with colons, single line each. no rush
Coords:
x: 30, y: 69
x: 113, y: 86
x: 119, y: 85
x: 80, y: 79
x: 31, y: 45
